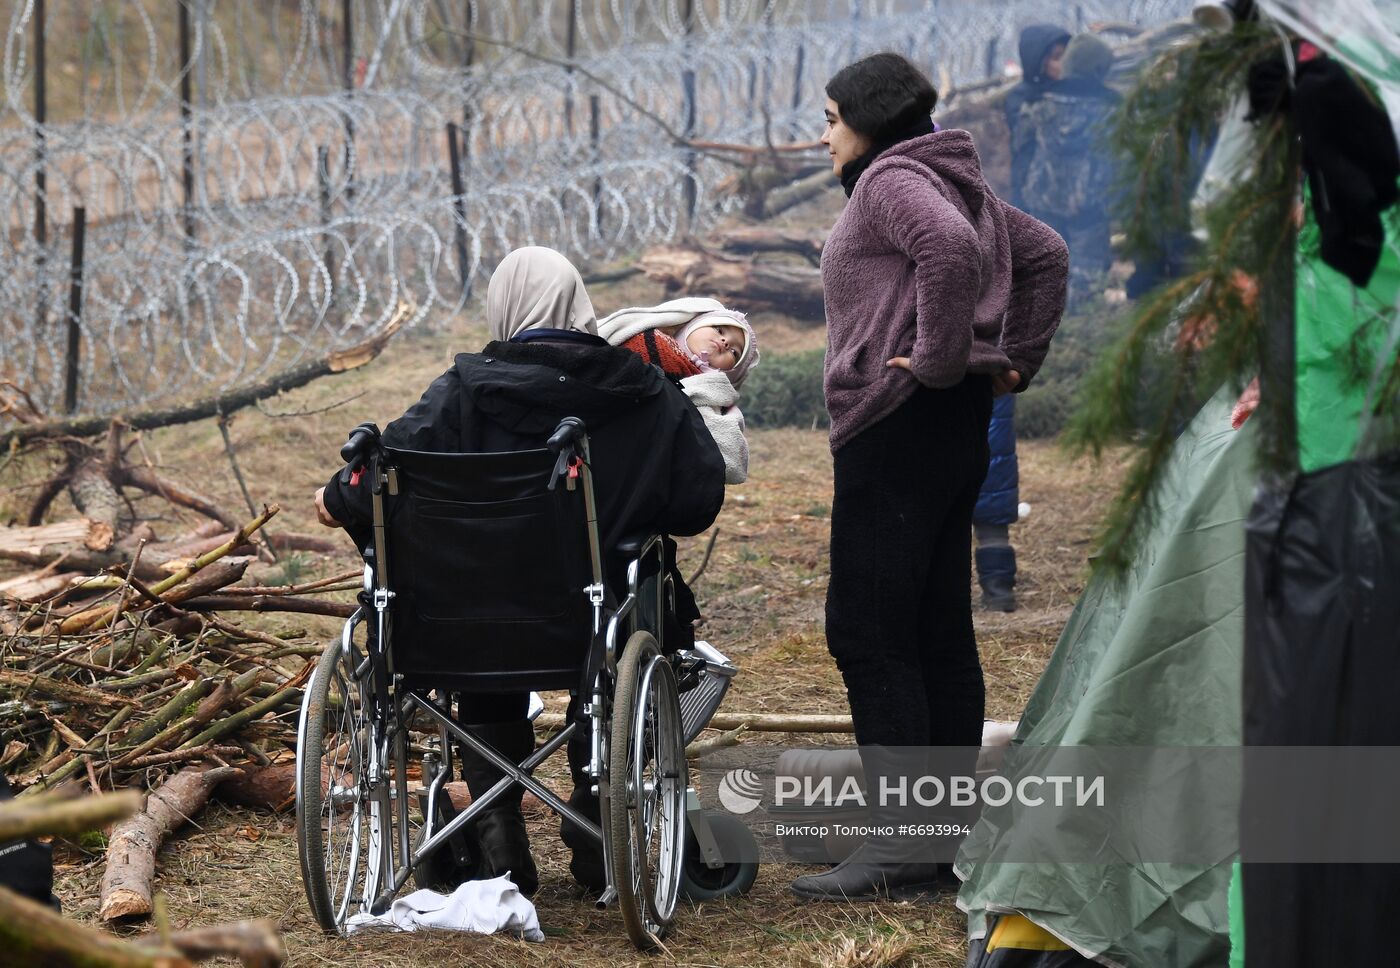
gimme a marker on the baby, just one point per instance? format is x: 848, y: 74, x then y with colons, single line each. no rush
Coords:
x: 709, y: 350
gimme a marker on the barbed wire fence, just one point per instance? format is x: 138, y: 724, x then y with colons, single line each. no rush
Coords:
x: 199, y: 193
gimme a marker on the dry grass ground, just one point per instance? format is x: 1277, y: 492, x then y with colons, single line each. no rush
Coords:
x: 763, y: 596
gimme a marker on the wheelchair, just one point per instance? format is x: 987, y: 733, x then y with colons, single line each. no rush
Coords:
x: 485, y: 575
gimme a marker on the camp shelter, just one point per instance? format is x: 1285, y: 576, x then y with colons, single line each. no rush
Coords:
x: 1151, y: 658
x: 1275, y: 625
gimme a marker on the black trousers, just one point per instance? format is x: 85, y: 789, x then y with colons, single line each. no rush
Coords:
x: 899, y: 607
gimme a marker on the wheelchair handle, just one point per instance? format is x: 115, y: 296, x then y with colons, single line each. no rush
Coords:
x: 564, y: 443
x: 361, y: 443
x: 570, y: 429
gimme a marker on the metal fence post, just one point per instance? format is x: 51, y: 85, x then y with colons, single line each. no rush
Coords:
x: 692, y: 187
x: 467, y: 112
x: 75, y: 312
x: 347, y: 40
x: 323, y: 193
x: 767, y: 68
x: 855, y: 26
x: 186, y: 122
x: 41, y: 186
x: 596, y: 155
x: 570, y: 49
x: 459, y: 208
x: 795, y: 127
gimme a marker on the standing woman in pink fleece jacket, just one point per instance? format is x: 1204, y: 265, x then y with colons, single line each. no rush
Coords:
x: 939, y: 295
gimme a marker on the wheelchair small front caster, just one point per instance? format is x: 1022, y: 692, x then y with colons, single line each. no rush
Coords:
x: 736, y: 844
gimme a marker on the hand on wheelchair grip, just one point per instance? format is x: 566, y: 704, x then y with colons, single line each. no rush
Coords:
x: 322, y: 515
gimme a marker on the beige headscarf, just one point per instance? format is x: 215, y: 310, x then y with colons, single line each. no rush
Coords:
x: 537, y: 288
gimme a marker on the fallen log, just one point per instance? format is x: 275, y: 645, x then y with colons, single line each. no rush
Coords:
x: 34, y: 539
x: 754, y: 722
x: 295, y: 541
x: 60, y: 816
x: 268, y: 603
x: 35, y: 934
x: 97, y: 500
x: 255, y: 943
x: 794, y: 290
x: 709, y: 744
x: 747, y: 239
x: 270, y: 788
x: 779, y: 200
x: 210, y: 579
x: 131, y: 850
x: 225, y: 403
x: 33, y: 586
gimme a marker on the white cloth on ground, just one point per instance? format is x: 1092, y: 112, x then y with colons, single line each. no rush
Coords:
x: 715, y: 397
x: 484, y: 907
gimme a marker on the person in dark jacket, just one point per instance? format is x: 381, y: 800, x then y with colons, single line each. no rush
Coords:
x: 655, y: 469
x: 1042, y: 46
x: 1070, y: 180
x: 996, y: 511
x: 939, y: 296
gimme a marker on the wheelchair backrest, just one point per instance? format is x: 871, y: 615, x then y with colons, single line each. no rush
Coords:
x: 488, y: 567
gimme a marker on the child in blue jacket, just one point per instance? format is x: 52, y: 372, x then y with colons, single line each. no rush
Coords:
x: 997, y: 508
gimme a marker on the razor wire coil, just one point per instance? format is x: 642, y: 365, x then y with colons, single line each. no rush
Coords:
x: 316, y: 156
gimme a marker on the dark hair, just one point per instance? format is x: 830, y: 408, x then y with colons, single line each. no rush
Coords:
x: 881, y: 95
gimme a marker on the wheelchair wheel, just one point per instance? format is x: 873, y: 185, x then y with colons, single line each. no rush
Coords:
x: 337, y: 825
x: 700, y: 882
x: 647, y: 791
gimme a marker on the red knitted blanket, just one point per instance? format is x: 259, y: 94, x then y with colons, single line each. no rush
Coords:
x: 660, y: 349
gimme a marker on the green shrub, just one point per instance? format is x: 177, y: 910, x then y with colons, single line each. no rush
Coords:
x: 786, y: 391
x: 1045, y: 406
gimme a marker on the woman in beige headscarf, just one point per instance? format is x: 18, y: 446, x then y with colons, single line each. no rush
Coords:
x: 537, y: 288
x: 655, y: 467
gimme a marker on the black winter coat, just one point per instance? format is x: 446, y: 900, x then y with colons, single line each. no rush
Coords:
x: 655, y: 466
x: 1035, y: 44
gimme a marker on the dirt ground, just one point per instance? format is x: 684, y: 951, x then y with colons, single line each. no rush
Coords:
x: 762, y: 594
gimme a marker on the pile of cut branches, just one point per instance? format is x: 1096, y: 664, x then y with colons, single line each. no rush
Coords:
x: 131, y: 674
x: 122, y: 662
x: 134, y: 669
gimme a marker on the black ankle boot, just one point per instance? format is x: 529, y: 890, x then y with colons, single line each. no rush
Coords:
x: 870, y: 874
x: 897, y: 866
x: 996, y: 573
x: 504, y: 843
x: 586, y: 864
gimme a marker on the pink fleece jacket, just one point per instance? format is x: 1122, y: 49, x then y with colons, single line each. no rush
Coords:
x: 926, y: 262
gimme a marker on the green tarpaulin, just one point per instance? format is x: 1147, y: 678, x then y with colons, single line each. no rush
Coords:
x: 1153, y: 659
